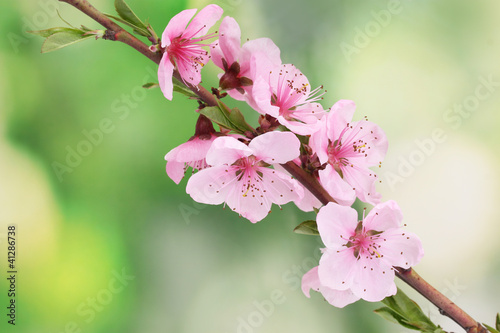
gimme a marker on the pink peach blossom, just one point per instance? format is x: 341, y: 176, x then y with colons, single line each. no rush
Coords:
x: 239, y: 174
x: 183, y: 50
x: 360, y: 255
x: 242, y: 65
x: 286, y: 94
x: 347, y: 150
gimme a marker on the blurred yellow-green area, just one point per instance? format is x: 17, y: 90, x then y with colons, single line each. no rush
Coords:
x: 108, y: 243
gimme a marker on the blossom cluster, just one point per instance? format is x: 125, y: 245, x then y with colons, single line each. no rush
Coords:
x: 244, y: 170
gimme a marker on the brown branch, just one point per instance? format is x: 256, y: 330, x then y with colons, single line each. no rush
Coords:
x: 444, y: 304
x: 309, y: 182
x: 115, y: 30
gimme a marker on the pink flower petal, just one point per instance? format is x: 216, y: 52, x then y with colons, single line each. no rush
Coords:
x: 210, y: 186
x: 337, y: 187
x: 375, y: 138
x: 401, y: 248
x: 216, y: 55
x: 261, y: 97
x: 226, y: 150
x: 275, y: 147
x: 230, y: 39
x: 193, y: 150
x: 300, y: 128
x: 384, y: 216
x: 337, y: 269
x: 165, y: 71
x: 319, y: 141
x: 259, y: 57
x: 279, y: 187
x: 309, y: 113
x: 340, y: 114
x: 257, y: 189
x: 175, y: 171
x: 309, y: 202
x: 284, y: 80
x: 310, y: 280
x: 176, y: 26
x: 203, y: 21
x: 247, y: 197
x: 337, y: 298
x: 374, y: 279
x: 363, y: 181
x: 336, y: 224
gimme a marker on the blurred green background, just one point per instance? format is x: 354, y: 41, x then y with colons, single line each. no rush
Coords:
x: 112, y: 244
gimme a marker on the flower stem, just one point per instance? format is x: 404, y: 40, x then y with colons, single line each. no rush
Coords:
x: 444, y: 304
x: 114, y: 30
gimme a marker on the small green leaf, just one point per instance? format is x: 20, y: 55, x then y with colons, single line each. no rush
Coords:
x: 127, y: 14
x: 64, y: 38
x: 491, y: 329
x: 497, y: 322
x: 215, y: 114
x: 181, y: 88
x: 137, y: 30
x: 237, y: 118
x: 150, y: 85
x: 407, y: 313
x: 403, y: 304
x: 230, y: 119
x: 393, y: 316
x: 307, y: 228
x: 129, y: 18
x: 51, y: 31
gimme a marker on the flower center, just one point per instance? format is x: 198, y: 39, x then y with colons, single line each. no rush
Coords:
x: 292, y: 91
x: 249, y: 176
x: 364, y: 242
x: 335, y: 156
x: 183, y: 50
x: 351, y: 143
x: 246, y: 162
x: 175, y: 46
x: 247, y: 167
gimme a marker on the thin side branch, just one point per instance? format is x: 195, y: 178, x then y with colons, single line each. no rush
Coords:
x: 120, y: 34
